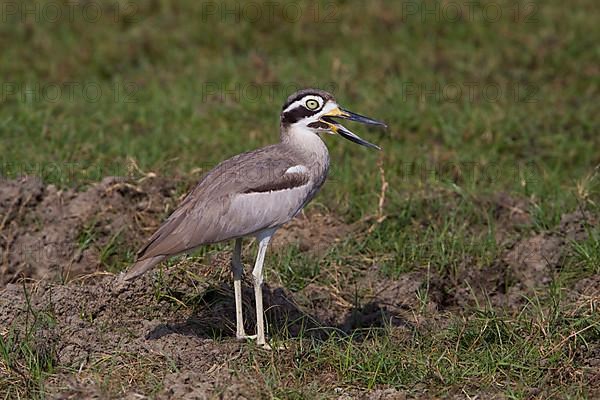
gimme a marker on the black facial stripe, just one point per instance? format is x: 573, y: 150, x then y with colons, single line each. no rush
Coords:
x: 296, y: 114
x: 318, y: 124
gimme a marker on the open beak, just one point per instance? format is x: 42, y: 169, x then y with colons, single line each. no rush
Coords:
x: 346, y: 133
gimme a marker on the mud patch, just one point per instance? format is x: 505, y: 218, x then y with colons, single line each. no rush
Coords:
x: 533, y: 261
x: 511, y: 214
x: 177, y: 326
x: 312, y: 232
x: 399, y: 300
x: 47, y: 233
x: 524, y: 266
x: 589, y: 287
x: 95, y: 327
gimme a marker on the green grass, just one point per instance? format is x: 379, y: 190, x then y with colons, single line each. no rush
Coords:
x: 183, y: 90
x: 587, y: 252
x: 482, y: 353
x: 27, y: 358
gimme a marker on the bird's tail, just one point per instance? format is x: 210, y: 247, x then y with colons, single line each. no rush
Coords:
x: 141, y: 267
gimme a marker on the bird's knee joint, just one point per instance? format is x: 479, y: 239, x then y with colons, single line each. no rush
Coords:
x: 237, y: 268
x: 258, y: 278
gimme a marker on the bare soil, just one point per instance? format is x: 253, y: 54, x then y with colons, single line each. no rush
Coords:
x: 171, y: 321
x: 53, y: 234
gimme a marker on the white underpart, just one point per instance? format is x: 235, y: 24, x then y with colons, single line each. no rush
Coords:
x: 297, y: 169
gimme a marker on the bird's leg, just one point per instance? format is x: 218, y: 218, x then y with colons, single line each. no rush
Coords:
x: 238, y: 269
x: 257, y: 274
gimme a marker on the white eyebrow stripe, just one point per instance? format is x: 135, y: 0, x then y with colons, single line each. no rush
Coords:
x: 302, y: 101
x: 291, y: 106
x: 297, y: 169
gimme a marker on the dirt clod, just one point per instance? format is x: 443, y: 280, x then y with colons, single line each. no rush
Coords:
x: 47, y: 233
x: 314, y: 232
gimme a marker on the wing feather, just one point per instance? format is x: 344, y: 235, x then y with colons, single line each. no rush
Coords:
x: 242, y: 195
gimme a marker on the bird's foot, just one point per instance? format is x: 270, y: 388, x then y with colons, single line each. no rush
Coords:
x: 263, y: 344
x: 270, y: 347
x: 243, y: 336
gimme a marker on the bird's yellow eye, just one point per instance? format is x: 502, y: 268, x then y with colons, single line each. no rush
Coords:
x: 312, y: 104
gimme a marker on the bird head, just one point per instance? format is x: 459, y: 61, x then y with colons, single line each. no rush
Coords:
x: 317, y: 111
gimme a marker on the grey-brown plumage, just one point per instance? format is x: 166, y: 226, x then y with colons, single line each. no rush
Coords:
x: 239, y: 197
x: 254, y: 193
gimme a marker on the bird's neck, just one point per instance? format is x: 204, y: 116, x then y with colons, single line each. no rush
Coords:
x: 309, y: 145
x: 303, y: 139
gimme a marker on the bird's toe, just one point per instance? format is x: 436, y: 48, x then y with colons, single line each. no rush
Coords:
x: 243, y: 336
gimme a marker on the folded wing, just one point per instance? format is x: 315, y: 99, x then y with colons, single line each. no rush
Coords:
x: 243, y: 195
